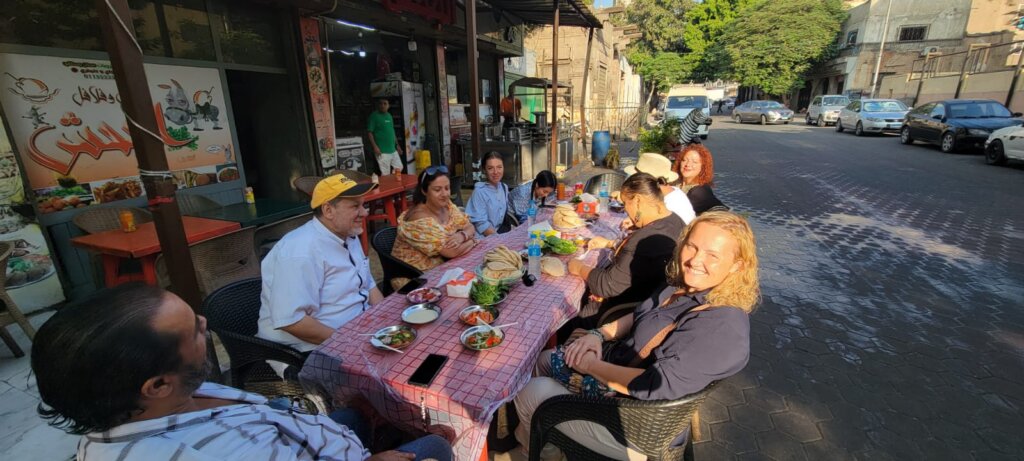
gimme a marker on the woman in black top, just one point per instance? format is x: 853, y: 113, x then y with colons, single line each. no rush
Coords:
x: 638, y: 263
x: 696, y: 173
x: 689, y: 333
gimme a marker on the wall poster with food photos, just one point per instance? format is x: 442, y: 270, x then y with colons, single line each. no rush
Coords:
x: 319, y: 96
x: 31, y: 276
x: 72, y: 138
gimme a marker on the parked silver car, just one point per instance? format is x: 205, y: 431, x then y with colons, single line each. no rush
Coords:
x: 824, y: 110
x: 872, y: 116
x: 762, y: 111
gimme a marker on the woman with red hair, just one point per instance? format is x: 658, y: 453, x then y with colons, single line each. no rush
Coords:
x: 696, y: 170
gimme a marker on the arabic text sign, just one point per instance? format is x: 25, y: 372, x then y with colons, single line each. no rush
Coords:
x: 67, y: 123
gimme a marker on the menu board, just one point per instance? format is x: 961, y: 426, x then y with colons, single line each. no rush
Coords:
x: 72, y: 137
x: 31, y: 276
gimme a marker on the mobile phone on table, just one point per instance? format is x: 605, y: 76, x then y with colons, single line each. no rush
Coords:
x: 428, y: 370
x: 412, y: 285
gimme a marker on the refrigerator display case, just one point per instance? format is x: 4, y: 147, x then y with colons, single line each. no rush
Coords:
x: 406, y: 106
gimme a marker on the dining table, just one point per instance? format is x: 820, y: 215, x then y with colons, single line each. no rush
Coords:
x: 472, y: 385
x: 142, y: 244
x: 262, y: 211
x: 391, y: 190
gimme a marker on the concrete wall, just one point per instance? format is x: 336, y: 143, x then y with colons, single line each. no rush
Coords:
x: 898, y: 87
x: 1017, y: 103
x: 987, y: 86
x: 946, y: 19
x: 993, y: 15
x: 935, y: 89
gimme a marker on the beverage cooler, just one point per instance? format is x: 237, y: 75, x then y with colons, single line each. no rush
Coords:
x: 406, y: 106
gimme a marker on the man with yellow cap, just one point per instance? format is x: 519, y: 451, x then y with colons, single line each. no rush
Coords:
x: 317, y: 278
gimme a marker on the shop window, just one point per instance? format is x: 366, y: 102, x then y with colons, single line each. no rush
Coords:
x: 51, y: 23
x: 913, y: 33
x: 173, y: 28
x: 248, y: 34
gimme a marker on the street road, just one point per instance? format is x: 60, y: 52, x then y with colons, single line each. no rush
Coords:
x: 892, y: 321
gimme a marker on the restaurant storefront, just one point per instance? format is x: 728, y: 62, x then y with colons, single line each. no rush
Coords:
x: 247, y: 94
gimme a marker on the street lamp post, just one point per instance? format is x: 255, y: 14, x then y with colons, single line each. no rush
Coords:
x: 881, y: 49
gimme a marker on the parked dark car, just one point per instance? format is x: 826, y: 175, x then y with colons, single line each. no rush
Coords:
x: 956, y: 123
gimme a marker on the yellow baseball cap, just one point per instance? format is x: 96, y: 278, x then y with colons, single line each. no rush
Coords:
x: 336, y: 186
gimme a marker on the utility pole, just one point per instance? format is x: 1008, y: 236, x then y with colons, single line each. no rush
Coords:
x: 881, y: 49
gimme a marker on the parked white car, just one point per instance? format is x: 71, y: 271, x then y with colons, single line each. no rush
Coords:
x: 1005, y: 144
x: 872, y: 116
x: 824, y: 110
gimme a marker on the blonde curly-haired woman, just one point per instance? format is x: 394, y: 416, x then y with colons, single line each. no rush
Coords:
x: 689, y: 333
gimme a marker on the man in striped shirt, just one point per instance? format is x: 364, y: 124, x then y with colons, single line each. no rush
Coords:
x: 126, y: 370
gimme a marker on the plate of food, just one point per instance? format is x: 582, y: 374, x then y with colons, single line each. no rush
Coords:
x: 501, y: 266
x: 394, y: 337
x: 566, y: 219
x: 488, y: 294
x: 419, y: 314
x: 561, y: 246
x: 28, y: 269
x: 474, y: 314
x: 228, y: 174
x: 482, y: 337
x: 424, y: 295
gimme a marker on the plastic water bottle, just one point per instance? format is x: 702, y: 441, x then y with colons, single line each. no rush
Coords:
x: 531, y: 214
x: 603, y: 198
x: 533, y: 251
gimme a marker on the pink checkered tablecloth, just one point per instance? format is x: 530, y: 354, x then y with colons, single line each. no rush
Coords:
x: 471, y: 385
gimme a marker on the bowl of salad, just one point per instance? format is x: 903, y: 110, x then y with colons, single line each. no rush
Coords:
x: 394, y: 337
x: 485, y: 293
x: 474, y: 314
x: 482, y: 337
x: 561, y: 246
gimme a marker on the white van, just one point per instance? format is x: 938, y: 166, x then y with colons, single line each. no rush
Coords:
x: 682, y: 99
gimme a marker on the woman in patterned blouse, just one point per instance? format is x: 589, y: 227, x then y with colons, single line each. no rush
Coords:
x: 433, y: 229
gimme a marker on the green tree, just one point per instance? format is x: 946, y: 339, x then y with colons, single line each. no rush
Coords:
x: 775, y: 43
x: 661, y: 23
x: 660, y: 70
x: 705, y: 24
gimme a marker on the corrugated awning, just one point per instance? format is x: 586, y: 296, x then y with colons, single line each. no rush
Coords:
x: 570, y: 12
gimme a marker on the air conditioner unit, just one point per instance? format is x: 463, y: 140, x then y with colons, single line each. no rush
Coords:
x: 929, y: 50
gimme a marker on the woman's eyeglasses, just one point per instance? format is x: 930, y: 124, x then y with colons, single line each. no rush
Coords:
x: 433, y: 170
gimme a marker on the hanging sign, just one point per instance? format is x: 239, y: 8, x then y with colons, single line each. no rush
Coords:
x: 442, y: 11
x: 72, y: 138
x: 319, y: 96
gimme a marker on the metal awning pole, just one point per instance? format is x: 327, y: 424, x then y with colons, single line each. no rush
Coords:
x: 474, y: 79
x: 554, y: 91
x: 132, y: 86
x: 583, y: 91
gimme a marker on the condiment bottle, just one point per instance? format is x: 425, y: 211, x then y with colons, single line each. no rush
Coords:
x: 127, y: 221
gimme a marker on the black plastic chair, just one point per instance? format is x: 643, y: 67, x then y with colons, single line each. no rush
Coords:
x: 649, y: 426
x: 615, y: 181
x: 456, y: 187
x: 383, y: 241
x: 233, y: 312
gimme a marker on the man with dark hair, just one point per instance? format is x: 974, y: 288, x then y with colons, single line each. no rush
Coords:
x: 317, y: 278
x: 126, y: 370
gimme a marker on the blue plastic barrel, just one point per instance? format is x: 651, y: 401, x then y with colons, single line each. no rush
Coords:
x: 599, y: 148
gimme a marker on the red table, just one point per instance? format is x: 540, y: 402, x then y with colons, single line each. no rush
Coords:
x: 390, y: 188
x: 471, y: 385
x: 143, y: 244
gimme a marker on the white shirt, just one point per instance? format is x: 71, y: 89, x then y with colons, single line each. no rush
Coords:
x: 677, y: 202
x: 250, y: 431
x: 312, y: 272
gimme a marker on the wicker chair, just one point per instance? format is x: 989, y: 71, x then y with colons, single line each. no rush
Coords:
x: 219, y: 261
x: 392, y: 267
x: 648, y: 426
x: 189, y: 204
x: 9, y: 313
x: 306, y: 184
x: 268, y: 235
x: 615, y: 181
x: 101, y: 219
x: 232, y: 312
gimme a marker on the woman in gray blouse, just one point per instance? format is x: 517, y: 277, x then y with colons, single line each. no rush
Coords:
x: 697, y: 325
